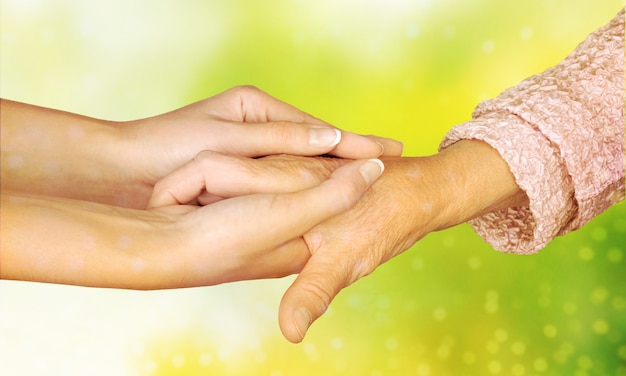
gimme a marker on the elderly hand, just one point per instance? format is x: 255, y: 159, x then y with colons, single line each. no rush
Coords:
x: 414, y: 197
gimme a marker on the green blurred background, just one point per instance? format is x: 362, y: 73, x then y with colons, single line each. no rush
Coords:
x: 406, y: 69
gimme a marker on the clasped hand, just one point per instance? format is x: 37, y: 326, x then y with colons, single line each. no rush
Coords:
x: 217, y: 211
x: 241, y: 218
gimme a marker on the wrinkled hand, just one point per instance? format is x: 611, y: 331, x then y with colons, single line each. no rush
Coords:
x: 387, y: 220
x: 256, y: 235
x: 241, y: 121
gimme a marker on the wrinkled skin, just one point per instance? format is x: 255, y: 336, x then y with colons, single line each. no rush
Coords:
x: 343, y: 248
x: 412, y: 198
x: 389, y: 219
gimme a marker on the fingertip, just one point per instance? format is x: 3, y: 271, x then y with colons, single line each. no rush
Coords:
x: 294, y: 323
x: 390, y: 147
x: 324, y: 137
x: 382, y: 148
x: 337, y: 138
x: 371, y: 170
x: 301, y: 320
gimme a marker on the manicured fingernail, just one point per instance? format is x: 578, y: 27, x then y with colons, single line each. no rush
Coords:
x: 371, y: 170
x: 324, y: 137
x: 302, y: 319
x: 382, y: 149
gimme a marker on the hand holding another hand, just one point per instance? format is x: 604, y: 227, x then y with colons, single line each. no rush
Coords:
x: 242, y: 121
x: 255, y: 235
x: 414, y: 197
x: 62, y: 154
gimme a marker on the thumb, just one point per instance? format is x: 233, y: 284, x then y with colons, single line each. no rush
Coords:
x: 319, y: 282
x: 310, y: 295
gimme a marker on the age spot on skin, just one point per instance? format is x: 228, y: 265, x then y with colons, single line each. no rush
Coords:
x: 314, y: 241
x: 414, y: 173
x: 427, y: 207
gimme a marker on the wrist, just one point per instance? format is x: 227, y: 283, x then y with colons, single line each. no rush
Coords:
x: 474, y: 180
x: 461, y: 182
x: 56, y: 240
x: 57, y: 153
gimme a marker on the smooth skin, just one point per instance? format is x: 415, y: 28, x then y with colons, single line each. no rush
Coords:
x: 67, y: 241
x: 415, y: 196
x: 61, y: 154
x: 75, y: 189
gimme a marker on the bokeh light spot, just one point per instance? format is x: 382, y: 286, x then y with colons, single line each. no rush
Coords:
x: 599, y: 295
x: 488, y: 46
x: 205, y: 359
x: 336, y: 343
x: 585, y: 362
x: 412, y: 31
x: 570, y: 308
x: 440, y: 313
x: 619, y: 303
x: 550, y: 331
x: 423, y: 369
x: 614, y: 255
x: 391, y: 344
x: 178, y: 361
x: 474, y: 262
x: 417, y: 263
x: 586, y: 253
x: 540, y: 364
x: 493, y: 347
x: 599, y: 234
x: 501, y: 335
x: 469, y: 357
x: 600, y: 326
x: 518, y: 369
x: 518, y: 348
x: 526, y: 33
x: 149, y: 367
x: 494, y: 367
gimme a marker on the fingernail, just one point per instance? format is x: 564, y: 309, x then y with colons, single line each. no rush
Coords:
x: 382, y: 149
x: 302, y: 318
x: 371, y: 170
x: 324, y: 137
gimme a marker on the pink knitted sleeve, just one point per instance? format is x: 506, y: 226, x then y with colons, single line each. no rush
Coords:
x: 562, y: 134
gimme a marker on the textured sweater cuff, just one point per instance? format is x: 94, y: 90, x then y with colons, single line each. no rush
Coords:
x: 538, y: 170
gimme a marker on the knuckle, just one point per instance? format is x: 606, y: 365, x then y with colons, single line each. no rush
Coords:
x: 318, y: 292
x: 158, y: 188
x: 283, y: 132
x: 348, y: 195
x: 204, y: 158
x: 247, y: 91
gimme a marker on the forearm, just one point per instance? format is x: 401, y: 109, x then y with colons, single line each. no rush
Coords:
x: 564, y: 146
x: 65, y: 241
x: 436, y: 192
x: 478, y: 181
x: 57, y: 153
x: 419, y: 195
